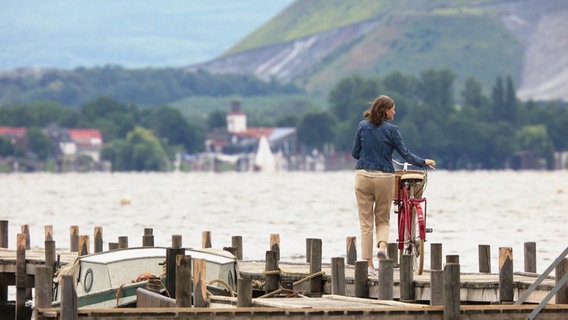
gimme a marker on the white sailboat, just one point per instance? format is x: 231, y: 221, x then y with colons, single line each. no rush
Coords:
x: 264, y: 160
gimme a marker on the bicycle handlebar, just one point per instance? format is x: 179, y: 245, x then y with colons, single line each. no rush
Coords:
x: 405, y: 165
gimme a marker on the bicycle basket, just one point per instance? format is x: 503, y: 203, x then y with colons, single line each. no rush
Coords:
x: 418, y: 190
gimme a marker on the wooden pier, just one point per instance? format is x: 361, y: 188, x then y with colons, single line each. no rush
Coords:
x: 339, y: 289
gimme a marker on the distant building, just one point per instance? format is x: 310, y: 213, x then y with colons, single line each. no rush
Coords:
x: 16, y: 135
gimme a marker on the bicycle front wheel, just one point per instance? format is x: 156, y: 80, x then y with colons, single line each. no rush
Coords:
x: 417, y: 242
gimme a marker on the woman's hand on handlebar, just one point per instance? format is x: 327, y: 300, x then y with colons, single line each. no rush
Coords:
x: 430, y: 163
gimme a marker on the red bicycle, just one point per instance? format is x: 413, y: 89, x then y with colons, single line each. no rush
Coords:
x: 408, y: 198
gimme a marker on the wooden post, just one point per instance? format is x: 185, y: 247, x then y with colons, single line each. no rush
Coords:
x: 148, y: 237
x: 453, y: 258
x: 123, y: 242
x: 315, y: 266
x: 435, y: 256
x: 272, y: 272
x: 484, y: 253
x: 98, y: 236
x: 361, y: 279
x: 43, y: 287
x: 530, y: 257
x: 308, y: 248
x: 392, y: 250
x: 386, y: 279
x: 48, y: 232
x: 237, y: 243
x: 199, y: 276
x: 351, y: 250
x: 206, y: 239
x: 74, y: 238
x: 177, y: 241
x: 244, y: 293
x: 505, y: 274
x: 112, y: 246
x: 406, y: 278
x: 83, y: 245
x: 451, y: 291
x: 275, y: 244
x: 184, y: 284
x: 21, y: 276
x: 26, y: 230
x: 338, y: 276
x: 3, y: 244
x: 50, y: 255
x: 436, y: 287
x: 561, y: 271
x: 68, y: 299
x: 171, y: 254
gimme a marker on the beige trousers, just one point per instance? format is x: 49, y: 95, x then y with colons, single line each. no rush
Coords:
x: 374, y: 191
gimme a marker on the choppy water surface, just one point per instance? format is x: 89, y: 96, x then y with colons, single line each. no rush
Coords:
x: 465, y: 209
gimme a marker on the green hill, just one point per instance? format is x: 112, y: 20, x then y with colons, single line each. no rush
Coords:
x: 315, y: 43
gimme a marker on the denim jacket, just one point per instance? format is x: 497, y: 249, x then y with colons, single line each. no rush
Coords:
x: 373, y: 147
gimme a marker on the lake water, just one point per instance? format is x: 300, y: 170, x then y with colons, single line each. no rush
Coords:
x: 465, y: 209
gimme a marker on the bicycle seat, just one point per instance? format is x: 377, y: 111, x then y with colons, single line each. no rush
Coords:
x: 412, y: 176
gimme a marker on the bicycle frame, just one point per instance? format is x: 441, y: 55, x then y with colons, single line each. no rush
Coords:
x: 411, y: 222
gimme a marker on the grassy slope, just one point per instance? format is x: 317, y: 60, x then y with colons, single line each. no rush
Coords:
x: 412, y: 36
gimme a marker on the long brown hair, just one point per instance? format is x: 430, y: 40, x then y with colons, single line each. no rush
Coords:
x: 377, y: 112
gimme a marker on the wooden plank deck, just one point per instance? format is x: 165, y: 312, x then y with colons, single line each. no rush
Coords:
x: 474, y: 287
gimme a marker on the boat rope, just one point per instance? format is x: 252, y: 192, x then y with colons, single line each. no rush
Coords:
x: 146, y: 276
x: 224, y: 283
x: 313, y: 275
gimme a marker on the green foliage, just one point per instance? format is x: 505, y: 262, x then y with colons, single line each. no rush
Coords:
x: 6, y: 147
x: 40, y: 144
x: 316, y: 128
x: 140, y: 151
x: 139, y: 86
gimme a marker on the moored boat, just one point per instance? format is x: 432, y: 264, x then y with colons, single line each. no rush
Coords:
x: 110, y: 279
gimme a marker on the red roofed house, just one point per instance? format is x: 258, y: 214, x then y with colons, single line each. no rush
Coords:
x: 88, y: 142
x: 17, y: 135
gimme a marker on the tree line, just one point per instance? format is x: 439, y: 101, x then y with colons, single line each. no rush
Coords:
x: 474, y: 131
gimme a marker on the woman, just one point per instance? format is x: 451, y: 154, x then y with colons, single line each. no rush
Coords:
x: 373, y: 147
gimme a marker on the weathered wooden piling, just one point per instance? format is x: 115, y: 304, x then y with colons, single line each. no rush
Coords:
x: 98, y: 239
x: 530, y: 256
x: 451, y: 290
x: 406, y: 278
x: 386, y: 279
x: 506, y: 275
x: 199, y: 276
x: 48, y: 232
x: 435, y: 256
x: 308, y: 248
x: 392, y: 250
x: 25, y: 229
x: 338, y: 276
x: 272, y: 272
x: 83, y: 245
x: 184, y: 284
x: 49, y: 246
x: 361, y: 279
x: 237, y: 243
x: 112, y: 246
x: 560, y: 272
x: 436, y: 287
x: 21, y: 276
x: 74, y: 238
x: 148, y: 237
x: 275, y: 244
x: 43, y: 288
x: 69, y: 306
x: 244, y: 293
x: 123, y: 242
x: 206, y: 239
x: 351, y: 248
x: 3, y: 244
x: 315, y: 266
x: 484, y: 257
x: 177, y: 242
x: 171, y: 260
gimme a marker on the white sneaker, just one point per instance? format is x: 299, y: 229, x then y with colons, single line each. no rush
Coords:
x: 372, y: 271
